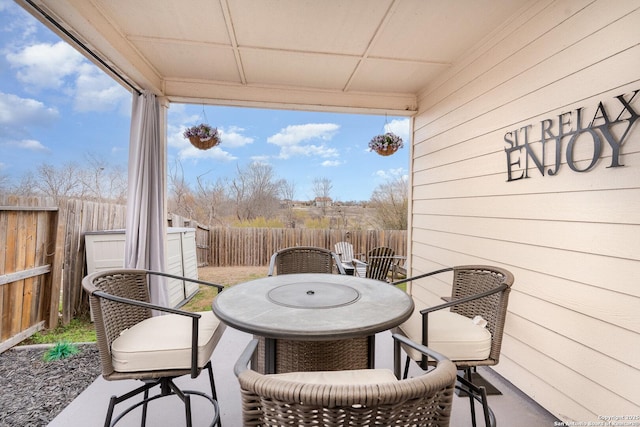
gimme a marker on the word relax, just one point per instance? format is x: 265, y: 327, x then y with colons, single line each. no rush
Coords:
x: 571, y: 129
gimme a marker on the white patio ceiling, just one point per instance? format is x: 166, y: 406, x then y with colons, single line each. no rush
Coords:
x: 352, y: 55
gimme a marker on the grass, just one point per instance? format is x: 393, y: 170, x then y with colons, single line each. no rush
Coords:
x: 202, y: 300
x: 78, y: 330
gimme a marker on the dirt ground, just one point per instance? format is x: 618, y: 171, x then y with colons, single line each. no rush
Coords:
x: 226, y: 276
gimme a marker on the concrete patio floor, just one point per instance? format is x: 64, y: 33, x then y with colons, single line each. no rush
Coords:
x: 512, y: 408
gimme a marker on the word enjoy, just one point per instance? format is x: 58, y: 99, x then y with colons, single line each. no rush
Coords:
x: 570, y: 129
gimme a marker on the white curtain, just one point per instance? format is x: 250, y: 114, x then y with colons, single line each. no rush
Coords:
x: 146, y: 225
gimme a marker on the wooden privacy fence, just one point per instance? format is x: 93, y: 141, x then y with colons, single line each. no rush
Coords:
x: 30, y: 267
x: 254, y: 246
x: 80, y: 217
x: 44, y: 251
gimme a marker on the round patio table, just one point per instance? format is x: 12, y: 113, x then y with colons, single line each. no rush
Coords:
x: 314, y: 321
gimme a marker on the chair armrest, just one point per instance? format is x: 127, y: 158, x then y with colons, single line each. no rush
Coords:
x: 188, y: 279
x: 419, y: 347
x: 339, y: 266
x: 399, y: 340
x: 122, y: 300
x: 272, y: 264
x: 431, y: 273
x: 463, y: 300
x: 242, y: 364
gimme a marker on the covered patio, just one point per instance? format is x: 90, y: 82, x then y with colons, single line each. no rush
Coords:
x: 524, y: 151
x: 511, y: 408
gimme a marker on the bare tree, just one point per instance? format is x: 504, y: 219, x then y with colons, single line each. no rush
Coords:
x: 57, y: 183
x: 390, y: 203
x: 210, y: 201
x: 255, y: 191
x: 4, y: 182
x: 322, y: 191
x: 287, y: 194
x: 181, y: 200
x: 102, y: 182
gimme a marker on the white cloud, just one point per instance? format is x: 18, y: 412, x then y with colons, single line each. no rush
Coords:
x: 25, y: 144
x: 331, y: 163
x: 291, y: 139
x: 307, y: 150
x: 400, y: 127
x: 392, y: 174
x: 215, y: 153
x: 96, y: 91
x: 233, y: 137
x: 17, y: 21
x: 264, y: 159
x: 31, y: 145
x: 295, y: 134
x: 24, y: 112
x: 45, y: 65
x: 59, y: 66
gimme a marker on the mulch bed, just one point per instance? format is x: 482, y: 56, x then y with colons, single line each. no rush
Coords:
x: 33, y: 392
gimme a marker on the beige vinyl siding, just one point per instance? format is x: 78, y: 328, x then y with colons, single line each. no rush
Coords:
x: 572, y: 339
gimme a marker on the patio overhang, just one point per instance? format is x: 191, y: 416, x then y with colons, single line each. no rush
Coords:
x: 356, y: 56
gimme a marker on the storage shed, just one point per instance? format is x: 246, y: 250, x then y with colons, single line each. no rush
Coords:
x: 105, y: 250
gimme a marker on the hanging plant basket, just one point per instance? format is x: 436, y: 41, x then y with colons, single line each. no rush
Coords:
x: 202, y: 136
x: 204, y: 144
x: 386, y: 144
x: 387, y: 151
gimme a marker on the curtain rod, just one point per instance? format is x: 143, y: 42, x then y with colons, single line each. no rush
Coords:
x: 55, y: 23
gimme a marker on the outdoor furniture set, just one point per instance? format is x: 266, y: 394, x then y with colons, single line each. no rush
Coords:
x: 313, y: 357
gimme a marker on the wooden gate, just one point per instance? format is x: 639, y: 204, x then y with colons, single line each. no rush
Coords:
x: 30, y: 272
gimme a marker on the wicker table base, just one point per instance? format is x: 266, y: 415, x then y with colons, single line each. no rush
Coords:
x: 299, y: 356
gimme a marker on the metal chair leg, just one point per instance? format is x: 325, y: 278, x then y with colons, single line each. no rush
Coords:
x: 112, y: 405
x: 480, y: 394
x: 214, y: 394
x: 144, y: 408
x: 406, y: 368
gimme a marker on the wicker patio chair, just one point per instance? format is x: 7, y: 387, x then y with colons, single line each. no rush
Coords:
x: 304, y: 259
x: 379, y: 262
x: 470, y: 332
x: 347, y: 398
x: 133, y: 344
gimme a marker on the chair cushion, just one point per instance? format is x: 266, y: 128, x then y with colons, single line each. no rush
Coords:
x: 354, y: 377
x: 164, y: 342
x: 455, y: 336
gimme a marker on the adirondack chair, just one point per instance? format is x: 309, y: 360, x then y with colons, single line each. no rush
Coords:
x: 345, y: 252
x: 379, y: 262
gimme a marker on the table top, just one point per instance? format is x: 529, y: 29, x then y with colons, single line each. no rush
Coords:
x: 313, y: 306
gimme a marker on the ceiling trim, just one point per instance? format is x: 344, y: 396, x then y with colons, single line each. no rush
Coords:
x: 204, y: 92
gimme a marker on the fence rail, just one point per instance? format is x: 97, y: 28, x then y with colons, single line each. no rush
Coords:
x: 30, y: 267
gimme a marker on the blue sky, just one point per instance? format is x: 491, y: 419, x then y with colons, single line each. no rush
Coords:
x: 57, y: 107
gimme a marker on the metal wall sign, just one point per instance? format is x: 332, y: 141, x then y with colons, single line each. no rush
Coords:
x: 545, y: 144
